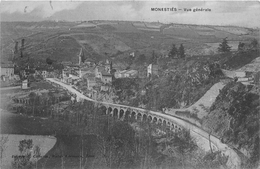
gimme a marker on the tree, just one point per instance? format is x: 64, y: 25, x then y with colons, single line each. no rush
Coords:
x: 140, y: 59
x: 240, y: 46
x: 21, y: 53
x: 212, y: 160
x: 224, y: 47
x: 118, y: 146
x: 154, y: 58
x: 173, y: 51
x: 16, y: 47
x: 3, y: 145
x: 23, y: 161
x: 82, y: 57
x: 49, y: 61
x: 254, y: 43
x: 22, y: 43
x: 181, y: 51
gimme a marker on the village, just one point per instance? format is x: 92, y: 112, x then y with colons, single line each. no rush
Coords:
x: 95, y: 79
x: 91, y: 79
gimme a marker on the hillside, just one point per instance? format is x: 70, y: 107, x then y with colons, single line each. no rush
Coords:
x: 204, y: 103
x: 234, y: 117
x: 101, y: 39
x: 193, y: 83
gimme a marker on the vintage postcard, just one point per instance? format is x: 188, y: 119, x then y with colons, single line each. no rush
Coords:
x: 130, y: 84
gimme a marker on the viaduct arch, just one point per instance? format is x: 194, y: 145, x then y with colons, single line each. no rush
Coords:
x: 135, y: 114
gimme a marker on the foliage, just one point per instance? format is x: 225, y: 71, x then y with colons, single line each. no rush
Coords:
x: 140, y: 59
x: 118, y: 145
x: 125, y: 88
x: 224, y: 47
x: 240, y: 106
x: 181, y: 51
x: 212, y: 161
x: 23, y: 161
x: 49, y: 61
x: 57, y: 66
x: 16, y: 47
x: 183, y: 142
x: 174, y: 51
x: 254, y: 43
x: 153, y: 58
x: 171, y: 148
x: 3, y: 146
x: 170, y: 90
x: 240, y: 46
x: 240, y: 59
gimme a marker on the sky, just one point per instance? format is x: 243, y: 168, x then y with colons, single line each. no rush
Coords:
x: 237, y: 13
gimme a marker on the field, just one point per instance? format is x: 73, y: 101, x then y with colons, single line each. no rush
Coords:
x: 234, y: 30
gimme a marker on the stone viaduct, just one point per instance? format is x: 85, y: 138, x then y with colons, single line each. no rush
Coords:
x: 130, y: 113
x: 173, y: 123
x: 127, y: 112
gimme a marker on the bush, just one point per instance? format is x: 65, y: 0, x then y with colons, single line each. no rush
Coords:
x: 23, y: 161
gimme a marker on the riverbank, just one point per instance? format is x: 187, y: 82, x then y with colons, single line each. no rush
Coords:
x: 43, y: 131
x: 71, y: 151
x: 8, y: 88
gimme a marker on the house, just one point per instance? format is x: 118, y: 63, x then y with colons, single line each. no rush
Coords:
x: 132, y: 54
x: 98, y: 71
x: 91, y: 82
x: 103, y: 73
x: 7, y: 70
x: 131, y: 73
x: 25, y: 84
x: 87, y: 70
x: 68, y: 80
x: 126, y: 74
x: 120, y: 74
x: 240, y: 74
x: 44, y: 73
x: 233, y: 74
x: 106, y: 77
x: 152, y: 69
x: 105, y: 87
x: 66, y: 63
x: 74, y: 78
x: 93, y: 94
x: 108, y: 66
x: 257, y: 78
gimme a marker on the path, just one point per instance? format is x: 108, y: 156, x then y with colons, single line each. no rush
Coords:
x: 8, y: 88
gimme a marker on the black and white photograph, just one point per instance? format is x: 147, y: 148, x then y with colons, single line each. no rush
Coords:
x: 129, y: 84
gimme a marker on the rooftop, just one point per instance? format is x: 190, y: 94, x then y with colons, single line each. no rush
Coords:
x: 88, y: 75
x: 73, y: 76
x: 128, y: 71
x: 91, y: 78
x: 101, y: 68
x: 88, y: 69
x: 131, y: 71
